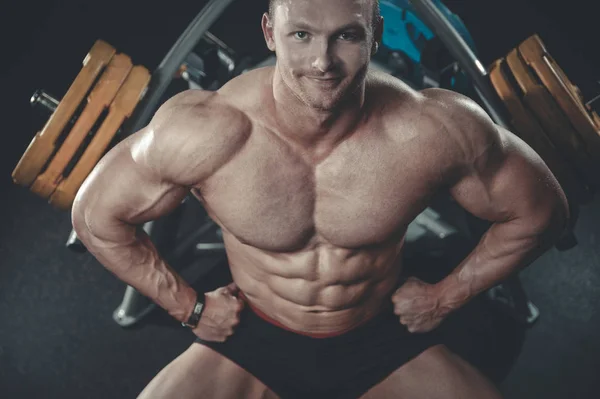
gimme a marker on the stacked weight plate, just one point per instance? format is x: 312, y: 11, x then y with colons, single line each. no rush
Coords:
x: 548, y: 113
x: 103, y: 95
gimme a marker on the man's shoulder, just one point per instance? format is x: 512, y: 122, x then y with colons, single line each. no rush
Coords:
x: 394, y: 103
x: 194, y: 116
x: 461, y: 119
x: 192, y: 135
x: 198, y: 105
x: 250, y: 91
x: 383, y: 89
x: 449, y: 125
x: 472, y: 141
x: 450, y: 104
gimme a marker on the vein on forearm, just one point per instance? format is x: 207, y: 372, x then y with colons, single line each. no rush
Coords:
x: 505, y: 248
x: 134, y: 259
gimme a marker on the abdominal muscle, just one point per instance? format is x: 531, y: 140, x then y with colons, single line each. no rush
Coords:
x: 322, y: 289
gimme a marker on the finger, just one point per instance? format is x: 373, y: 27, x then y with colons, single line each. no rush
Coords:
x: 239, y: 306
x: 233, y: 288
x: 397, y: 309
x: 403, y: 307
x: 403, y: 296
x: 224, y: 332
x: 398, y: 300
x: 227, y: 320
x: 233, y: 307
x: 207, y: 324
x: 234, y: 321
x: 420, y: 328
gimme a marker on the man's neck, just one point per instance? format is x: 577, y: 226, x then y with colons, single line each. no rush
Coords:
x: 311, y: 127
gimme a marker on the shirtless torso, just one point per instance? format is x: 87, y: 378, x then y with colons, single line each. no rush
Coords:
x: 314, y: 169
x: 313, y: 236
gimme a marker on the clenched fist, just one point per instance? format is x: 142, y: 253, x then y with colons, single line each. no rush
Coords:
x: 418, y: 305
x: 221, y: 314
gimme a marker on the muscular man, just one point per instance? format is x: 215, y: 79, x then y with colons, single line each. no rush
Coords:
x: 314, y: 169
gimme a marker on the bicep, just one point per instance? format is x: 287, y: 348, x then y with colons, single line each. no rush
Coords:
x: 124, y: 189
x: 506, y: 179
x: 148, y: 174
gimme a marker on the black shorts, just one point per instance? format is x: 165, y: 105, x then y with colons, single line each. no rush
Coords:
x: 342, y: 366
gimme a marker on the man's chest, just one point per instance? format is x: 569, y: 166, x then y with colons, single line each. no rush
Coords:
x: 366, y: 190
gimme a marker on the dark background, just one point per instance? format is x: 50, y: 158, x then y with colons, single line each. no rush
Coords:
x: 57, y: 339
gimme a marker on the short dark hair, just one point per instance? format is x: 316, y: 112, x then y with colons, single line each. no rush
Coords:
x: 376, y: 11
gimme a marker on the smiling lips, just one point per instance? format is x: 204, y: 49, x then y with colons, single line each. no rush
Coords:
x: 325, y: 81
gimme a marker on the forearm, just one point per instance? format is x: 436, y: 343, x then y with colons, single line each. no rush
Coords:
x: 131, y: 256
x: 504, y: 249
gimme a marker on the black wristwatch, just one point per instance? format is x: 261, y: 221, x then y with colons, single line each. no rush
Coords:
x: 194, y: 318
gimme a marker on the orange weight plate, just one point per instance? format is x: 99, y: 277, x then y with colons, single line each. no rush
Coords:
x: 121, y: 108
x: 99, y: 99
x: 552, y: 119
x: 564, y: 93
x: 528, y: 128
x: 43, y: 145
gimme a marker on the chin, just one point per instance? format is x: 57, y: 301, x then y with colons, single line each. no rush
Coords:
x: 325, y: 105
x: 322, y: 104
x: 323, y: 100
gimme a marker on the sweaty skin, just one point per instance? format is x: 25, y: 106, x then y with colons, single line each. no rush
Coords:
x: 313, y: 236
x: 313, y: 169
x: 313, y: 174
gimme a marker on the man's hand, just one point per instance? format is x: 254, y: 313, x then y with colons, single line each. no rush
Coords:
x: 221, y: 314
x: 418, y: 305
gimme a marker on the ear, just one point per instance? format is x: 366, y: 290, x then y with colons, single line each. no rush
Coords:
x: 378, y: 35
x: 267, y: 27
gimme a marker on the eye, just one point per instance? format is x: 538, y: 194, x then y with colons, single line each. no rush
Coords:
x: 349, y: 36
x: 301, y: 35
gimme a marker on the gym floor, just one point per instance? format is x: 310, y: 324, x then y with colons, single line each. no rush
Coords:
x: 57, y: 336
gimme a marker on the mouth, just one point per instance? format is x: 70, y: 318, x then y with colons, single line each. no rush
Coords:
x: 320, y: 79
x: 325, y: 82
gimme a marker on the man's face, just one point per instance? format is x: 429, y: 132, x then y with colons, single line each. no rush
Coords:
x: 323, y: 47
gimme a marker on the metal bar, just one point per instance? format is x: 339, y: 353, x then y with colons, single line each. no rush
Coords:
x: 44, y: 100
x: 190, y: 241
x: 465, y: 57
x: 215, y: 246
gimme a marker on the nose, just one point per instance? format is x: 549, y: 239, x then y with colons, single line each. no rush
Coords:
x: 323, y: 60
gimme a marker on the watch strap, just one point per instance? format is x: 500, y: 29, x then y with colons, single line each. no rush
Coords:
x: 194, y: 318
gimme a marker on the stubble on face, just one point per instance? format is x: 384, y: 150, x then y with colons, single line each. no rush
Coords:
x: 330, y: 86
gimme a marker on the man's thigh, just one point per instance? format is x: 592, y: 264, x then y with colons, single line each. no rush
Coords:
x: 200, y: 372
x: 437, y: 373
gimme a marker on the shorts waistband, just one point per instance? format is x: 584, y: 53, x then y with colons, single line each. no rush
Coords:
x: 278, y: 324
